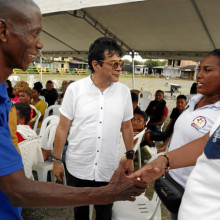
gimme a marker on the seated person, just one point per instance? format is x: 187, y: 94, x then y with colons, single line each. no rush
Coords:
x: 138, y: 122
x: 63, y: 88
x: 25, y: 94
x: 12, y: 123
x: 24, y: 130
x: 134, y: 98
x: 19, y: 85
x: 50, y: 93
x: 152, y: 136
x: 39, y: 104
x: 157, y: 111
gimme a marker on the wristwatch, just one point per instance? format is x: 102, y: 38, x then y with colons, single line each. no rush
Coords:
x: 130, y: 154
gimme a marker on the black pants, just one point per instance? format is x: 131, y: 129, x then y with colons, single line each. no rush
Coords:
x: 103, y: 212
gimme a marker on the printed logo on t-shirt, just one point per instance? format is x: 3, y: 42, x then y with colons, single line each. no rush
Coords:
x: 199, y: 122
x: 212, y: 148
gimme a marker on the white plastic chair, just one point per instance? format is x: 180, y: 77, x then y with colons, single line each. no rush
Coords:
x: 14, y: 79
x: 144, y: 99
x: 42, y: 97
x: 46, y: 142
x: 37, y: 121
x: 55, y: 109
x: 30, y: 80
x: 137, y: 148
x: 31, y: 155
x: 141, y: 209
x: 47, y: 121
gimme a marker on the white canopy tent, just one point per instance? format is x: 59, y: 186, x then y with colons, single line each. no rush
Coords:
x: 180, y: 29
x: 169, y: 29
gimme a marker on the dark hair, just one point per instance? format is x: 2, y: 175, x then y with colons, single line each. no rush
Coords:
x: 10, y: 89
x: 215, y: 53
x: 49, y: 81
x: 139, y: 112
x: 159, y: 91
x: 38, y: 85
x: 193, y: 89
x: 100, y: 45
x: 37, y: 89
x: 24, y: 111
x: 134, y: 97
x: 181, y: 97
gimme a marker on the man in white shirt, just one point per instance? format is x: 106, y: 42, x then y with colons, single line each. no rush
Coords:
x: 93, y: 112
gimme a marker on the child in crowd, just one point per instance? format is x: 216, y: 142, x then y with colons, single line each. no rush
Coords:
x: 24, y: 130
x: 138, y: 121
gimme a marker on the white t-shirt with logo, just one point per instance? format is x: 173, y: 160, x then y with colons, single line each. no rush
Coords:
x: 201, y: 199
x: 191, y: 125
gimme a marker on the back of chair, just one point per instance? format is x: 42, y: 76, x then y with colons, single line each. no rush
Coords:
x: 47, y: 121
x: 52, y: 110
x: 31, y: 155
x: 37, y: 121
x: 47, y: 138
x: 139, y: 137
x: 144, y: 99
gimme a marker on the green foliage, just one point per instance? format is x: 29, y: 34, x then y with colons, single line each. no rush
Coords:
x: 136, y: 62
x: 127, y: 61
x: 151, y: 63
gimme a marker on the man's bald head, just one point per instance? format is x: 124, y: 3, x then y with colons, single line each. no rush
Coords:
x: 10, y: 8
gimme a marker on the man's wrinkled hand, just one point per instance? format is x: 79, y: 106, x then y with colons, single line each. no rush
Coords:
x: 122, y: 187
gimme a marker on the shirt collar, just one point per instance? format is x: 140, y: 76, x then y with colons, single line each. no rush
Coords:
x: 195, y: 99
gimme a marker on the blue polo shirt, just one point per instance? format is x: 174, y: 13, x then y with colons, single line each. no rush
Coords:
x: 10, y: 159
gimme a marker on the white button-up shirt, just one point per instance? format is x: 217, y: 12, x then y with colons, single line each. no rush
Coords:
x: 93, y: 152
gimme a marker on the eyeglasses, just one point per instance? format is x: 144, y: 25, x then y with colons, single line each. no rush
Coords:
x: 114, y: 64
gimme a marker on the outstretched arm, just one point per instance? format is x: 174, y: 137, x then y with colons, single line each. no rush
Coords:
x: 27, y: 193
x: 127, y: 133
x: 181, y: 157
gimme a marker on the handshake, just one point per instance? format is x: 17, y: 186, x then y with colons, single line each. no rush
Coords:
x: 123, y: 187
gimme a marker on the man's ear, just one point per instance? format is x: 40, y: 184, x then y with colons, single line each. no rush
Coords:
x: 2, y: 30
x: 95, y: 65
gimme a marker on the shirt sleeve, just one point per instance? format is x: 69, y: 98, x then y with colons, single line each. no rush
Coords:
x: 67, y: 108
x: 165, y: 111
x: 128, y: 110
x: 172, y: 113
x: 10, y: 158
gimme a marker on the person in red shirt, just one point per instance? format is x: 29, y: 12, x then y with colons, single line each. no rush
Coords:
x: 23, y: 117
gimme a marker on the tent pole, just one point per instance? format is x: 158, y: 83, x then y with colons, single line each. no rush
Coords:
x: 41, y: 77
x: 132, y: 56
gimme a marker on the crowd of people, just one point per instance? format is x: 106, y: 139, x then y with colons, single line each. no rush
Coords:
x: 95, y: 173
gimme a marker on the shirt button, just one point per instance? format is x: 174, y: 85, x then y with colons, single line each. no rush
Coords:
x: 97, y: 150
x: 100, y: 122
x: 101, y: 108
x: 98, y: 137
x: 95, y: 163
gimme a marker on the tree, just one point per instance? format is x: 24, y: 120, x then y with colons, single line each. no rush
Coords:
x: 151, y: 63
x: 127, y: 61
x: 136, y: 62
